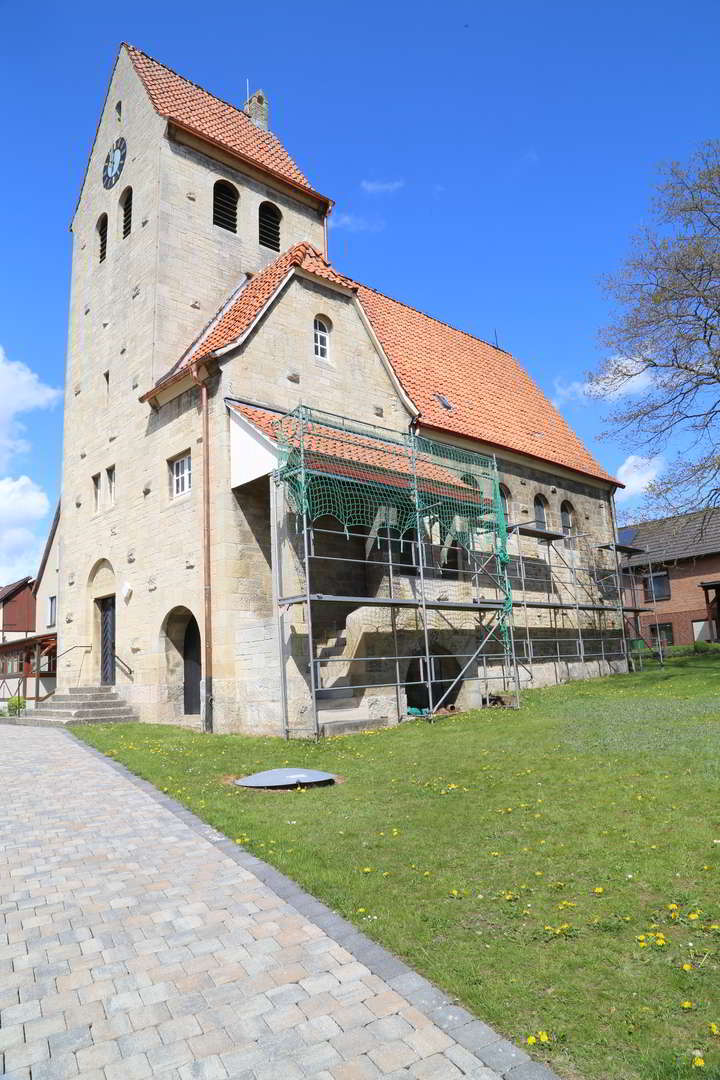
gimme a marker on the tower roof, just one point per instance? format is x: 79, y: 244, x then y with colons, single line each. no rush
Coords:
x: 196, y: 110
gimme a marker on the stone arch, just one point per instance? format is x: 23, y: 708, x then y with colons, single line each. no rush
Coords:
x: 101, y: 611
x: 181, y: 645
x: 446, y: 668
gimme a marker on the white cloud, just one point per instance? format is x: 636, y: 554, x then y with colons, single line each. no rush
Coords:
x: 21, y: 500
x: 355, y: 223
x: 636, y: 473
x: 21, y: 391
x: 381, y: 187
x: 23, y: 503
x: 604, y: 387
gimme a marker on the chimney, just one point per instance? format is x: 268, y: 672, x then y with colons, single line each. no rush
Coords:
x: 258, y: 109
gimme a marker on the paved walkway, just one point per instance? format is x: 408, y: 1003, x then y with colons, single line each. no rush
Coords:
x: 136, y: 941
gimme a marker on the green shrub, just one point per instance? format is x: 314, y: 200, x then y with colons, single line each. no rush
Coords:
x: 16, y: 705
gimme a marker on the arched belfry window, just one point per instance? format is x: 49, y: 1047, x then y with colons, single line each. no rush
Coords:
x: 505, y: 501
x: 269, y: 225
x: 321, y: 337
x: 225, y: 200
x: 540, y: 507
x: 102, y: 229
x: 126, y: 209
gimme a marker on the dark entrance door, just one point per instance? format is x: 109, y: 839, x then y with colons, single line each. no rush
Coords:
x: 193, y: 667
x: 107, y: 640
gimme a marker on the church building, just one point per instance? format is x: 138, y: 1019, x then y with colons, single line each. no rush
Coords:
x: 292, y: 504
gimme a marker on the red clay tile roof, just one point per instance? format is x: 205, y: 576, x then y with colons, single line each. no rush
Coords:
x: 361, y: 458
x: 492, y: 398
x: 236, y: 316
x: 193, y: 108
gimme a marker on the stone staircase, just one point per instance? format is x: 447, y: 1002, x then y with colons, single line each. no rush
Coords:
x: 342, y: 710
x: 81, y: 705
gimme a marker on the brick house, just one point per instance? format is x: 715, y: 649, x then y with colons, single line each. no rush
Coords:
x: 678, y: 571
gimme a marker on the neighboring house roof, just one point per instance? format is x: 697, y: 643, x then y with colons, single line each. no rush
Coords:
x: 8, y: 591
x: 330, y: 450
x: 190, y: 107
x: 46, y: 549
x: 684, y: 536
x: 491, y: 398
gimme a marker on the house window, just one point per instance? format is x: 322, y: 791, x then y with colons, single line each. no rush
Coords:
x: 102, y: 227
x: 118, y: 109
x: 540, y: 507
x: 110, y: 480
x: 96, y: 492
x: 321, y: 337
x: 52, y: 610
x: 661, y: 632
x: 126, y: 207
x: 225, y: 200
x: 657, y: 586
x: 269, y: 225
x: 181, y: 475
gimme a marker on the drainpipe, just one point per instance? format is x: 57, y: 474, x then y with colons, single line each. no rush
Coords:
x: 207, y: 588
x: 325, y: 229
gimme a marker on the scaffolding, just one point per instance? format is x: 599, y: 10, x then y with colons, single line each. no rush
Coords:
x: 407, y: 537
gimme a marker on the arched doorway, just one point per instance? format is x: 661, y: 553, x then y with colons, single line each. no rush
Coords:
x: 444, y: 669
x: 183, y: 660
x: 101, y: 591
x: 192, y: 666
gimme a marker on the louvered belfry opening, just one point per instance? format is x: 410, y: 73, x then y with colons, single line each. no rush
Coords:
x: 225, y: 200
x: 127, y: 213
x: 102, y: 227
x: 269, y: 226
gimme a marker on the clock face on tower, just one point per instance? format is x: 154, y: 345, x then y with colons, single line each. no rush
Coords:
x: 114, y: 162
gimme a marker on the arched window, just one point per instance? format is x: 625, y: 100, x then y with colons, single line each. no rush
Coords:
x: 102, y: 227
x: 505, y: 501
x: 225, y: 200
x: 567, y: 518
x: 321, y: 337
x: 269, y: 225
x: 540, y: 507
x: 126, y: 208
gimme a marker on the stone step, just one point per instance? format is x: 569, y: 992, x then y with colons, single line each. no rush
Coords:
x: 343, y: 695
x: 58, y: 701
x: 351, y: 726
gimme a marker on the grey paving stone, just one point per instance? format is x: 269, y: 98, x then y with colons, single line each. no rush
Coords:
x: 137, y: 941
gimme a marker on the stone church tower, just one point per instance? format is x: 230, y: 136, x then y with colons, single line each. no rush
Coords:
x: 177, y: 191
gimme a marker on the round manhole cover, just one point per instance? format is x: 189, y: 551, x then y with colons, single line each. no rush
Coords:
x: 286, y: 778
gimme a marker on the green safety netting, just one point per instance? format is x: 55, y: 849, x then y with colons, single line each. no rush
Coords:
x: 368, y: 476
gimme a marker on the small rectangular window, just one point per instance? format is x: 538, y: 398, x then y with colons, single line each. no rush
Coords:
x: 657, y: 586
x: 106, y: 381
x: 52, y: 610
x: 180, y: 475
x: 96, y: 492
x: 662, y: 632
x: 110, y: 478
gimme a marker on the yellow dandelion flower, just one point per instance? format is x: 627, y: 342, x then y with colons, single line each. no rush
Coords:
x: 698, y: 1063
x: 367, y: 869
x: 543, y: 1037
x: 531, y: 1040
x: 687, y: 1004
x: 693, y: 915
x: 687, y: 967
x: 672, y: 907
x: 598, y: 890
x: 714, y: 1029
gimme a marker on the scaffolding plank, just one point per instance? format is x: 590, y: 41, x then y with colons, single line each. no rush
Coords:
x: 623, y: 549
x: 387, y: 601
x: 570, y: 606
x: 539, y: 534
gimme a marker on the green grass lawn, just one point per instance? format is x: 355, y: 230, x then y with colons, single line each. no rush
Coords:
x: 555, y: 869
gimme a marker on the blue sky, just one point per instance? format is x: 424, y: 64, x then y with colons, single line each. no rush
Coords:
x: 489, y: 163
